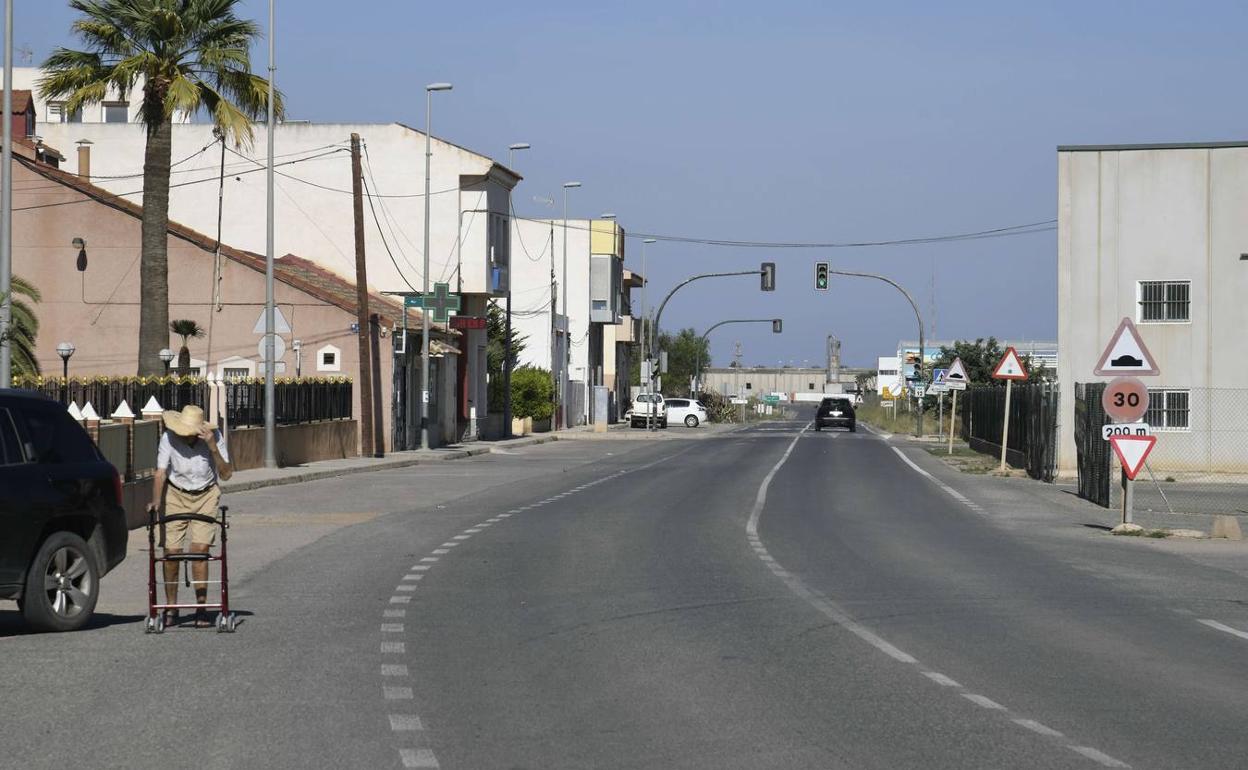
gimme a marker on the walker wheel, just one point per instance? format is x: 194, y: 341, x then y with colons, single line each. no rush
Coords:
x: 221, y: 623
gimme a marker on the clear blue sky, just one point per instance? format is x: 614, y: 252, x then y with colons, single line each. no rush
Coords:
x: 783, y: 121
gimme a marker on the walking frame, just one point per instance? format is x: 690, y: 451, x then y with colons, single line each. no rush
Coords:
x: 155, y: 624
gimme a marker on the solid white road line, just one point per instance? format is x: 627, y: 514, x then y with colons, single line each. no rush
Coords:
x: 1227, y: 629
x: 955, y: 494
x: 842, y: 619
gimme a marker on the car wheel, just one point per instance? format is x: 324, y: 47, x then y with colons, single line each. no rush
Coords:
x: 818, y: 427
x: 853, y: 428
x: 691, y: 421
x: 62, y: 585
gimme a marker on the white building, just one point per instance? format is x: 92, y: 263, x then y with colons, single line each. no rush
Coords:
x: 1159, y: 234
x: 584, y: 350
x: 888, y: 376
x: 469, y: 234
x: 114, y: 108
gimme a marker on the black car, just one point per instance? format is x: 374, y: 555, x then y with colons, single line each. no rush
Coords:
x: 62, y: 525
x: 836, y: 412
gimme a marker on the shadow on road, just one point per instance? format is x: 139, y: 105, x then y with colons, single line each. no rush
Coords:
x: 12, y: 624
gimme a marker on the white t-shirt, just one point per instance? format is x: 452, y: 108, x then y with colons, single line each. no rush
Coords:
x: 189, y: 467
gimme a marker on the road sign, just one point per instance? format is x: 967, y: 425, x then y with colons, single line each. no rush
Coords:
x: 954, y: 385
x: 740, y: 401
x: 938, y: 387
x: 1010, y: 367
x: 441, y: 303
x: 280, y: 325
x: 957, y: 373
x: 938, y: 375
x: 279, y: 348
x: 1125, y: 399
x: 919, y: 390
x: 1132, y: 451
x: 773, y: 400
x: 1126, y: 429
x: 1126, y: 354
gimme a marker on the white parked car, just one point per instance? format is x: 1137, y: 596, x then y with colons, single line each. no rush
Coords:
x: 648, y: 405
x: 691, y: 413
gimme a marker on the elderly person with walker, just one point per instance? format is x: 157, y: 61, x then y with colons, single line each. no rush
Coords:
x: 190, y: 460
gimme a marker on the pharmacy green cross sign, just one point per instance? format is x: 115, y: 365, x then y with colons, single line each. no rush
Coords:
x: 440, y: 304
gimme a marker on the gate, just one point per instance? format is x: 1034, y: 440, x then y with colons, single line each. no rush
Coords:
x: 1094, y: 454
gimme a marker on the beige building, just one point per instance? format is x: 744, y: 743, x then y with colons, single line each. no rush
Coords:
x: 90, y: 295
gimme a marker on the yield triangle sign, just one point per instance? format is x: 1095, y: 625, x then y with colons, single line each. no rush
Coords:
x: 1126, y: 354
x: 957, y: 372
x: 1010, y: 367
x: 1132, y: 451
x: 280, y: 324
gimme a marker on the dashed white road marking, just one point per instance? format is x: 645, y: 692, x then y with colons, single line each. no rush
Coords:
x: 405, y: 722
x: 461, y: 537
x: 394, y: 613
x: 955, y: 494
x: 980, y: 700
x: 393, y: 669
x: 392, y: 628
x: 397, y: 693
x: 418, y: 758
x: 429, y: 559
x: 441, y: 551
x: 1036, y: 727
x: 451, y: 544
x: 421, y: 568
x: 841, y: 618
x: 472, y: 531
x: 400, y: 600
x: 405, y: 587
x: 393, y: 648
x: 1225, y: 628
x: 1098, y: 756
x: 939, y: 678
x: 421, y: 576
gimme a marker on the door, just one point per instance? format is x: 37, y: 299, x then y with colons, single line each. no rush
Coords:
x: 26, y: 501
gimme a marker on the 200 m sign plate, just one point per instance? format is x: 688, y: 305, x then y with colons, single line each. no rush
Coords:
x: 1126, y: 429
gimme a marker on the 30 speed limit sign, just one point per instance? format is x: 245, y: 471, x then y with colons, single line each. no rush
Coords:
x: 1125, y: 399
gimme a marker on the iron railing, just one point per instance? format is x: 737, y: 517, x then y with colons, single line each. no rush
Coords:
x: 293, y: 402
x: 1032, y: 442
x: 1093, y: 454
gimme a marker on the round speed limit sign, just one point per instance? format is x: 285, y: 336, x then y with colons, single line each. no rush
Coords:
x: 1125, y: 399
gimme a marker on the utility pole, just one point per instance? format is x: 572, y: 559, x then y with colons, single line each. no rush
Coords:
x: 361, y: 304
x: 736, y: 359
x: 270, y: 368
x: 508, y: 355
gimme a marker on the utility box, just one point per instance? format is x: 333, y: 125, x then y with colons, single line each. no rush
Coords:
x: 601, y: 405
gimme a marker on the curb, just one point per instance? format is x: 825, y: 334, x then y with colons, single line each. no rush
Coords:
x: 383, y: 465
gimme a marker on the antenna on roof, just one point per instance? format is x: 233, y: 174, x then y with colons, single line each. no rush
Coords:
x: 25, y: 54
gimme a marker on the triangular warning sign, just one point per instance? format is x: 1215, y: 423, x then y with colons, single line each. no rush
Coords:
x: 1126, y: 354
x: 957, y: 372
x: 1010, y: 367
x: 280, y: 326
x: 1132, y: 451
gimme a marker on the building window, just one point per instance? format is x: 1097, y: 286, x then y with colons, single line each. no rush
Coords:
x: 1169, y: 409
x: 810, y: 386
x: 329, y: 359
x: 117, y: 113
x: 1165, y: 301
x: 749, y: 386
x: 57, y: 114
x: 888, y: 372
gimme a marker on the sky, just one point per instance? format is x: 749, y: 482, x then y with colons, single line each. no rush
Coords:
x: 811, y: 122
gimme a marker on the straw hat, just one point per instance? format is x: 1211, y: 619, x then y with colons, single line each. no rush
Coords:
x: 188, y: 422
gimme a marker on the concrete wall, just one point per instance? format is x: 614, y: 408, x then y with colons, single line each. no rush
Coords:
x: 1137, y: 214
x: 730, y: 381
x: 97, y: 310
x: 296, y: 444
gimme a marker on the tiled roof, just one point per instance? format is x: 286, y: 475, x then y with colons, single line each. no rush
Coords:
x: 22, y: 100
x: 293, y: 271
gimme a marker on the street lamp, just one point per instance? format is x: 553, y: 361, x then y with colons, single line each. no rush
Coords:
x: 424, y: 311
x: 567, y: 333
x: 166, y: 356
x: 65, y: 350
x: 507, y: 353
x: 645, y: 279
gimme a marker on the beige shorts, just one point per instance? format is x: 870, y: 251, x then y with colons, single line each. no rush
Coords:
x: 201, y: 532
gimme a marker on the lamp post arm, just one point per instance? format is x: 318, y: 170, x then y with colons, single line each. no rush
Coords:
x: 918, y: 430
x: 654, y: 330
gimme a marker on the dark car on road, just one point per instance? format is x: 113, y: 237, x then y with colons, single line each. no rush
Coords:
x: 836, y: 412
x: 62, y: 525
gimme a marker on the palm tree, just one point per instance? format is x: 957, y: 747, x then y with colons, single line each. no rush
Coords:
x: 185, y: 328
x: 23, y: 329
x: 190, y: 55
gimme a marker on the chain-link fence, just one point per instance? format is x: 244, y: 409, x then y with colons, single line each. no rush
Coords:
x: 1032, y: 442
x: 1200, y: 461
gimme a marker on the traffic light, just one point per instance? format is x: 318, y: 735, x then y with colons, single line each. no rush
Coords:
x: 768, y: 273
x: 777, y: 325
x: 821, y: 276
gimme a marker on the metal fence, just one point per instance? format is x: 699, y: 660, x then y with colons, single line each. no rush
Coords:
x: 1032, y: 442
x: 1093, y: 454
x: 1200, y: 461
x: 293, y: 402
x: 106, y: 395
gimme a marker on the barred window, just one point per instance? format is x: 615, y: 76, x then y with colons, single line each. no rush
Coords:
x: 1165, y: 301
x: 1169, y: 409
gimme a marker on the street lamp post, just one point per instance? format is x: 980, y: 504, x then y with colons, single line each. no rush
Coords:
x: 507, y: 354
x: 65, y: 350
x: 424, y: 311
x: 645, y: 279
x: 166, y: 356
x: 776, y: 325
x: 567, y: 332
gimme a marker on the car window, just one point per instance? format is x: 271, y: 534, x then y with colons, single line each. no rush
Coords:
x: 677, y: 402
x: 10, y: 447
x: 51, y: 436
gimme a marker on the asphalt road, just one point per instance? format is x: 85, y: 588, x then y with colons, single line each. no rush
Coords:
x: 767, y: 598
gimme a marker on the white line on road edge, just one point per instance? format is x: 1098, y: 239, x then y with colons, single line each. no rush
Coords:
x: 842, y: 619
x: 402, y: 722
x: 1227, y: 629
x: 955, y: 494
x: 421, y: 758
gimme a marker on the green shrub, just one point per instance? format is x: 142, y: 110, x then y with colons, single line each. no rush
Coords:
x: 531, y: 392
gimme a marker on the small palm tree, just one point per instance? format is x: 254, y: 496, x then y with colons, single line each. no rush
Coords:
x: 191, y: 55
x: 186, y: 329
x: 24, y: 329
